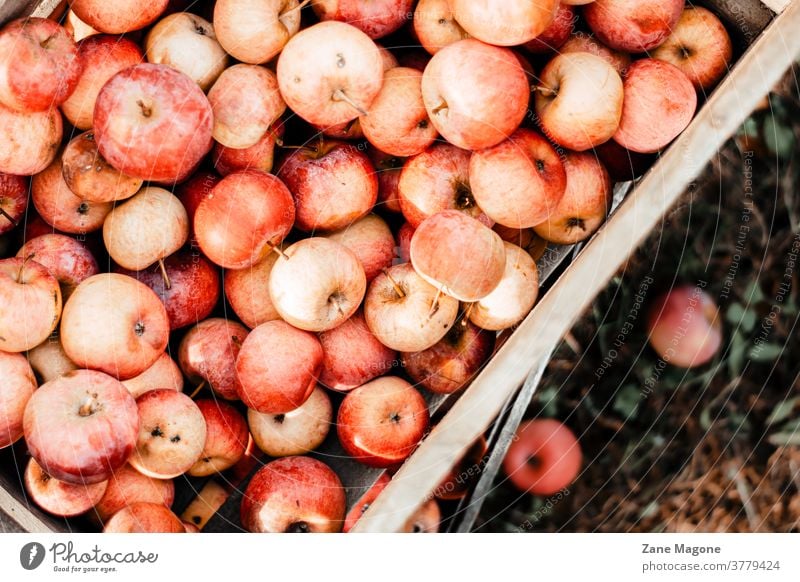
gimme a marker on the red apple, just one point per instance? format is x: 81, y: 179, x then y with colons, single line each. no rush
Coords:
x: 371, y: 241
x: 294, y: 495
x: 622, y: 164
x: 19, y: 384
x: 426, y: 519
x: 68, y: 260
x: 699, y: 46
x: 497, y: 87
x: 437, y: 180
x: 520, y: 182
x: 365, y: 501
x: 226, y: 438
x: 246, y: 216
x: 317, y: 284
x: 404, y: 235
x: 435, y: 25
x: 208, y: 354
x: 13, y: 201
x: 255, y: 31
x: 37, y: 137
x: 397, y: 122
x: 585, y: 203
x: 40, y: 65
x: 382, y: 422
x: 634, y: 26
x: 114, y: 324
x: 449, y: 365
x: 278, y: 366
x: 142, y: 517
x: 191, y: 193
x: 153, y: 122
x: 172, y: 434
x: 387, y: 169
x: 405, y: 312
x: 49, y: 361
x: 295, y: 432
x: 504, y: 22
x: 353, y: 355
x: 258, y: 157
x: 164, y: 373
x: 458, y: 255
x: 554, y: 36
x: 34, y: 293
x: 329, y: 73
x: 193, y: 291
x: 684, y: 327
x: 579, y: 100
x: 121, y: 16
x: 660, y: 101
x: 376, y: 19
x: 389, y: 60
x: 544, y: 458
x: 128, y: 486
x: 97, y: 422
x: 58, y: 497
x: 101, y: 57
x: 525, y: 238
x: 247, y: 291
x: 333, y: 184
x: 464, y: 474
x: 580, y: 42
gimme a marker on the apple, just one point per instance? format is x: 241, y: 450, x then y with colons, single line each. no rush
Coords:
x: 513, y: 298
x: 37, y: 137
x: 58, y: 497
x: 91, y: 177
x: 295, y: 432
x: 208, y: 352
x: 426, y: 519
x: 172, y: 434
x: 277, y: 367
x: 97, y: 423
x: 435, y: 25
x: 634, y: 26
x: 191, y: 193
x: 450, y: 364
x: 333, y: 184
x: 49, y: 361
x: 187, y: 42
x: 387, y: 170
x: 436, y: 180
x: 580, y: 42
x: 164, y: 373
x: 525, y: 238
x: 193, y: 289
x: 60, y: 208
x: 699, y: 46
x: 246, y: 216
x: 497, y: 87
x: 255, y: 31
x: 371, y: 241
x: 19, y: 384
x: 405, y: 312
x: 623, y: 165
x: 13, y: 201
x: 226, y: 438
x: 190, y: 527
x: 127, y: 486
x: 554, y: 36
x: 294, y: 495
x: 684, y: 327
x: 317, y: 284
x: 365, y: 501
x: 259, y: 156
x: 458, y: 255
x: 397, y: 121
x: 544, y: 458
x: 67, y: 259
x: 101, y: 57
x: 382, y: 422
x: 579, y: 100
x: 115, y: 324
x: 520, y: 182
x: 585, y: 204
x: 247, y: 291
x: 120, y: 16
x: 464, y: 474
x: 404, y: 235
x: 77, y: 28
x: 34, y: 292
x: 388, y: 58
x: 660, y: 101
x: 377, y: 19
x: 329, y: 73
x: 40, y: 65
x: 153, y: 122
x: 504, y: 22
x: 142, y: 517
x: 246, y: 101
x: 353, y: 355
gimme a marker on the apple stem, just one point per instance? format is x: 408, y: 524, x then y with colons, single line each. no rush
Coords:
x: 397, y: 288
x: 200, y: 386
x: 164, y: 275
x: 300, y: 6
x: 87, y: 408
x: 22, y: 266
x: 441, y: 107
x: 277, y: 249
x: 546, y: 91
x: 467, y: 311
x: 340, y: 95
x: 276, y: 137
x: 9, y: 217
x: 435, y: 304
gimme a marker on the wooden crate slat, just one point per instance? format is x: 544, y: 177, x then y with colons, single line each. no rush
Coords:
x: 776, y: 6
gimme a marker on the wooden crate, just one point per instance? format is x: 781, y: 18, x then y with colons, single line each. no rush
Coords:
x: 765, y: 30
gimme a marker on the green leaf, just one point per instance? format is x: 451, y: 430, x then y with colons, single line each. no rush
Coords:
x: 547, y: 399
x: 783, y: 410
x: 736, y: 355
x: 627, y: 400
x: 778, y: 138
x: 739, y: 316
x: 765, y: 352
x: 753, y: 294
x: 749, y: 128
x: 705, y: 418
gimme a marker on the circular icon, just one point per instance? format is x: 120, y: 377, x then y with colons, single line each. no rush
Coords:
x: 31, y: 555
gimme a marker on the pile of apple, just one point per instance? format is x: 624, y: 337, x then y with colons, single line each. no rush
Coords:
x: 371, y: 216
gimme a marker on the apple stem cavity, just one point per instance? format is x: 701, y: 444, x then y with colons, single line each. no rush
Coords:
x: 397, y: 288
x: 147, y: 111
x: 340, y: 95
x: 298, y: 527
x: 9, y: 217
x: 88, y: 408
x: 164, y: 275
